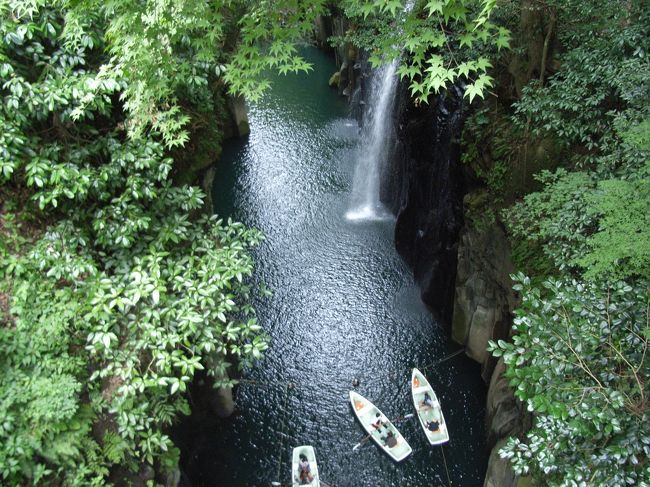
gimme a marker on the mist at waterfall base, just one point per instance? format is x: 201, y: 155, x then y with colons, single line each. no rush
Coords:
x: 344, y: 307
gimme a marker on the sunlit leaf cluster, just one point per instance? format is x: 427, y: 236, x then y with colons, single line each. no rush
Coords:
x: 269, y: 33
x: 438, y: 42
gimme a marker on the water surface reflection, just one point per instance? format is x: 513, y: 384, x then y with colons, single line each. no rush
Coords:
x: 344, y: 307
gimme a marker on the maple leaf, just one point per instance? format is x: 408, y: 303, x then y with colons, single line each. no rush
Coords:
x: 464, y: 69
x: 466, y: 40
x: 435, y: 6
x: 472, y: 90
x: 482, y: 64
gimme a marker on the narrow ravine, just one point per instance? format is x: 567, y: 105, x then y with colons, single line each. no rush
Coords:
x: 344, y: 306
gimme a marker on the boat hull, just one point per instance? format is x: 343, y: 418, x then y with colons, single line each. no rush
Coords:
x: 420, y: 386
x: 309, y: 452
x: 366, y: 413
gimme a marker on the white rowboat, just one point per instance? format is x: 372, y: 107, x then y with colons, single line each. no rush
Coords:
x: 428, y: 414
x: 366, y: 413
x: 308, y: 451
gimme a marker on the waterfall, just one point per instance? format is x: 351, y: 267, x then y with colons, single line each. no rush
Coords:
x: 375, y: 143
x: 374, y: 147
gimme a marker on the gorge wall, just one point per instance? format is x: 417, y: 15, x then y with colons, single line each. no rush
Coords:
x: 462, y: 266
x: 483, y: 304
x: 425, y: 191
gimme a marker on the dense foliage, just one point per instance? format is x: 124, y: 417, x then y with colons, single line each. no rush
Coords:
x: 119, y: 291
x: 438, y: 42
x: 594, y: 215
x: 578, y: 355
x: 578, y: 359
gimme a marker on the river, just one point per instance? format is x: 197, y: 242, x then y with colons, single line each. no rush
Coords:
x: 344, y: 306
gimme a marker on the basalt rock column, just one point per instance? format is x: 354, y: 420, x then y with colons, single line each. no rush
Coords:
x: 427, y: 193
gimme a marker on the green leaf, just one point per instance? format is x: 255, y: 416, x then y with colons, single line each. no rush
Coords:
x: 473, y: 90
x: 466, y: 39
x: 435, y: 6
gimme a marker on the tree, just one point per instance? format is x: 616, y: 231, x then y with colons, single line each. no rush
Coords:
x: 578, y: 353
x: 591, y: 216
x: 438, y: 43
x: 157, y: 48
x: 578, y: 360
x: 125, y: 292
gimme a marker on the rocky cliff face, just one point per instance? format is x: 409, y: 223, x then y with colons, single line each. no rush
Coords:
x: 335, y: 24
x: 426, y: 191
x: 463, y: 267
x: 235, y: 124
x: 483, y: 305
x: 483, y: 298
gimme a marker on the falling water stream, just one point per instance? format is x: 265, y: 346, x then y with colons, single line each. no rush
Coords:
x: 344, y: 307
x: 374, y: 147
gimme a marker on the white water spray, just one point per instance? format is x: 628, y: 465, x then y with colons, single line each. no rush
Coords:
x: 365, y: 204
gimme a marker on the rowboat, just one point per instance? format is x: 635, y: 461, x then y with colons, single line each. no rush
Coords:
x: 427, y: 414
x: 308, y: 451
x: 367, y: 414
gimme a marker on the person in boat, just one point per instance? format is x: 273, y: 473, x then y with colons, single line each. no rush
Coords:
x: 433, y: 425
x: 304, y: 470
x: 389, y: 440
x: 377, y: 423
x: 427, y: 402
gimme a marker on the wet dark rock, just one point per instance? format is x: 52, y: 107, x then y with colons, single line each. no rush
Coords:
x: 238, y: 117
x: 345, y: 55
x: 425, y: 190
x: 505, y: 415
x: 499, y: 472
x: 334, y: 80
x: 463, y: 270
x: 484, y: 298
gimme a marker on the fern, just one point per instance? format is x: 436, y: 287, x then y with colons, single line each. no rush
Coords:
x: 114, y: 448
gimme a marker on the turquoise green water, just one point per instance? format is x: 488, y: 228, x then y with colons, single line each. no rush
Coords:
x: 344, y: 307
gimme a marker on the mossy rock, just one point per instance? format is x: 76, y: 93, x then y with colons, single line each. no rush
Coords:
x: 204, y: 145
x: 476, y: 200
x: 200, y: 152
x: 539, y: 155
x: 243, y: 128
x: 334, y: 80
x: 525, y: 482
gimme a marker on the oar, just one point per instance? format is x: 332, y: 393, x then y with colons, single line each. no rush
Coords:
x: 321, y: 482
x: 367, y: 437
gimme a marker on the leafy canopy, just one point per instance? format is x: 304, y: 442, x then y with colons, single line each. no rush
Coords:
x: 592, y: 215
x: 122, y: 293
x: 438, y: 42
x: 159, y: 46
x: 578, y: 354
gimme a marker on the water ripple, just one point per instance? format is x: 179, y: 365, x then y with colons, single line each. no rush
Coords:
x: 344, y: 307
